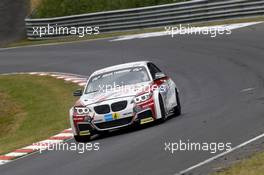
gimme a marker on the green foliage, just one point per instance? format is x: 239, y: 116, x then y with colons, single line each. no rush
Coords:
x: 51, y: 8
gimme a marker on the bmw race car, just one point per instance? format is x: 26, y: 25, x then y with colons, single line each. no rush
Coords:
x: 123, y: 95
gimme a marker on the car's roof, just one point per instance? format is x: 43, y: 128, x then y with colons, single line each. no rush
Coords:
x: 121, y: 66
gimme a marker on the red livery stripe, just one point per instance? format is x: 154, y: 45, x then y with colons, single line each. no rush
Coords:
x: 24, y: 150
x: 67, y: 131
x: 60, y: 137
x: 7, y: 157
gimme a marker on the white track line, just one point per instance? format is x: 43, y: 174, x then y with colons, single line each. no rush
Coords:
x: 81, y: 84
x: 219, y: 155
x: 79, y: 81
x: 16, y: 154
x: 247, y: 89
x: 44, y: 142
x: 64, y: 135
x: 75, y: 79
x: 36, y: 147
x: 4, y: 161
x: 69, y: 129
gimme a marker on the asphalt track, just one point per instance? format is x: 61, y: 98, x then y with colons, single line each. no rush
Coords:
x: 212, y: 74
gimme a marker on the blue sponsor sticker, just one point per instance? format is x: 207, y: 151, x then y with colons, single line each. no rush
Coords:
x: 108, y: 117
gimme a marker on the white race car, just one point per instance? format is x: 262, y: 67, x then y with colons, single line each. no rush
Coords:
x: 122, y: 95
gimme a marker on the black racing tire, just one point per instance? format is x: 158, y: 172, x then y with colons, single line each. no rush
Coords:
x: 177, y: 109
x: 82, y: 139
x: 162, y: 110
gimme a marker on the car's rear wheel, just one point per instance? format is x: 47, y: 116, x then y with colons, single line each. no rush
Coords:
x: 82, y: 139
x: 177, y: 109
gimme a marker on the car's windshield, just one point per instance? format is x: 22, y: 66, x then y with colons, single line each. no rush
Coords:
x: 116, y: 78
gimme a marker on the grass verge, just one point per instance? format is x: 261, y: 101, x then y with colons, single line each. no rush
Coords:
x: 51, y: 8
x: 71, y: 39
x: 32, y: 108
x: 251, y: 166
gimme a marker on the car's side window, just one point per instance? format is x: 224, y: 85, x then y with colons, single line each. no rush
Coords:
x: 156, y: 68
x: 153, y: 69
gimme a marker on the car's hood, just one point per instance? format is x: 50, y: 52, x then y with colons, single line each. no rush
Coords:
x: 126, y: 91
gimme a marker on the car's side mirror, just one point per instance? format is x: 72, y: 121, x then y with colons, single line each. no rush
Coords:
x: 77, y: 93
x: 159, y: 75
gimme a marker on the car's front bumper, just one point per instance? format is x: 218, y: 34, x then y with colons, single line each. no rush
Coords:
x: 139, y: 114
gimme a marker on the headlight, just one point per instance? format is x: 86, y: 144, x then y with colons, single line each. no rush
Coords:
x: 143, y: 97
x: 82, y: 110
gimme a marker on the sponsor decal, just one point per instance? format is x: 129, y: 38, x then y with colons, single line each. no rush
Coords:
x: 110, y: 117
x: 85, y: 133
x: 116, y: 116
x: 146, y: 120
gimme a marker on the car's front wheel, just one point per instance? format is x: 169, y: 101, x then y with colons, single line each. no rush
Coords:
x: 177, y: 109
x: 162, y: 109
x: 82, y: 139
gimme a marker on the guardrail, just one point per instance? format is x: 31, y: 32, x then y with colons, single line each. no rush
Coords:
x: 154, y: 16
